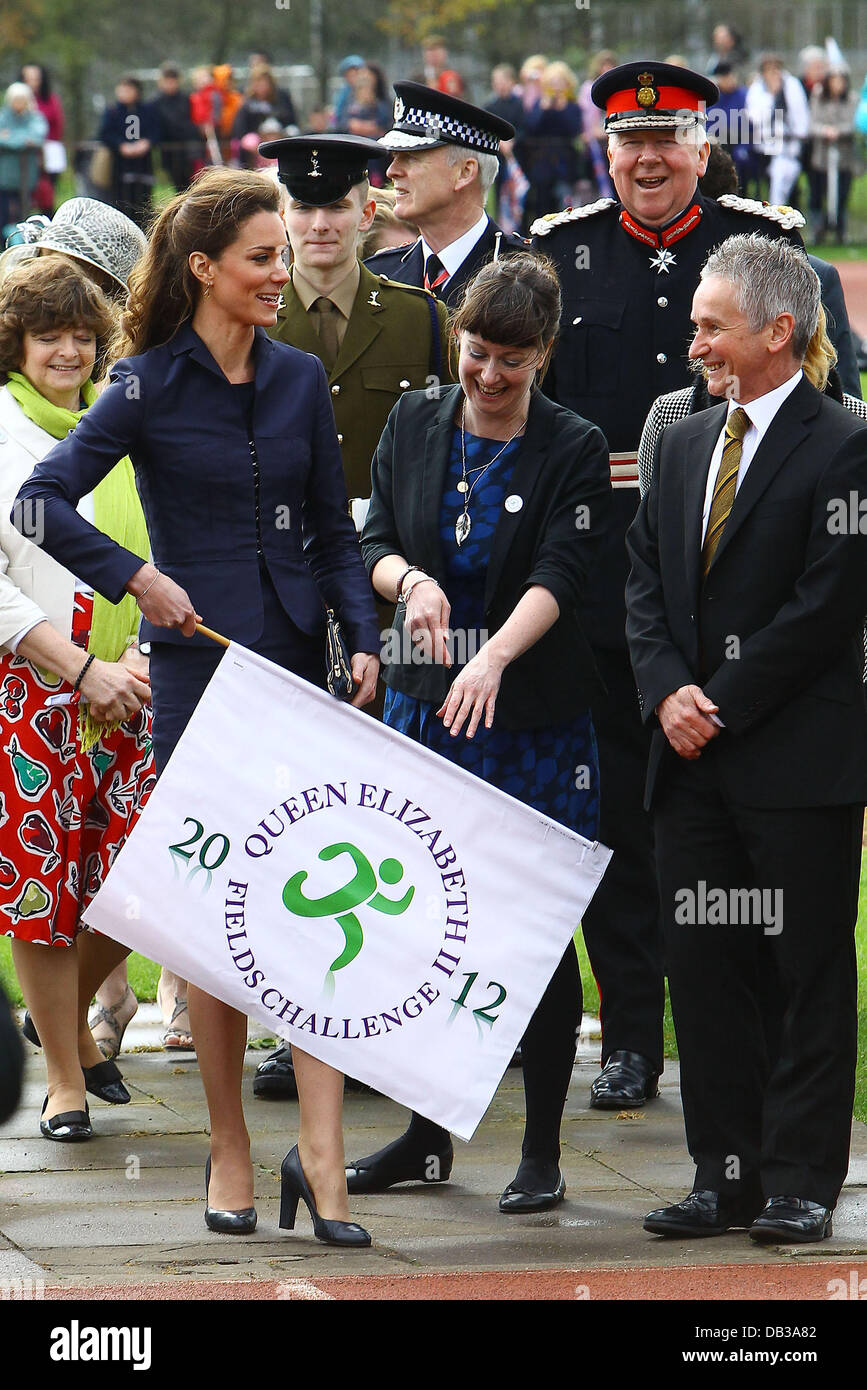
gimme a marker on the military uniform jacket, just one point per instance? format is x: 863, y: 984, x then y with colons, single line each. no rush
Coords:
x: 387, y: 350
x: 624, y: 334
x: 406, y: 263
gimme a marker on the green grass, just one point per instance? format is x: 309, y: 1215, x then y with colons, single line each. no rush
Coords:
x: 143, y: 975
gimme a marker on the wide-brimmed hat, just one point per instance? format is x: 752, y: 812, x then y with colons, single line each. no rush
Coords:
x: 87, y: 230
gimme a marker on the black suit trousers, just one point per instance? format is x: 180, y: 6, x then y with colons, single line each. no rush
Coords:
x: 621, y: 926
x: 765, y: 1010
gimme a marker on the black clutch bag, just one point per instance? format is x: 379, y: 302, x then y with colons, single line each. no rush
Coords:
x: 338, y: 663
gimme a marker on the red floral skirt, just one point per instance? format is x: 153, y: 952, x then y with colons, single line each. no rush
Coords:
x: 64, y: 814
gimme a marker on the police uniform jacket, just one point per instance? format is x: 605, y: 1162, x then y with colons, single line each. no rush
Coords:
x: 406, y: 263
x: 624, y: 334
x: 211, y: 525
x: 389, y: 348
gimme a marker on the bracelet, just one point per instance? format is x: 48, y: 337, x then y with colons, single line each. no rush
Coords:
x: 83, y: 672
x: 149, y: 587
x: 425, y: 579
x: 409, y: 570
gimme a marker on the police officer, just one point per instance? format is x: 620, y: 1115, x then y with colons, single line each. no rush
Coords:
x: 376, y: 339
x: 444, y: 161
x: 629, y: 267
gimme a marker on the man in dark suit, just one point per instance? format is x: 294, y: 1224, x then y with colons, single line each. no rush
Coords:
x: 745, y: 607
x: 444, y: 161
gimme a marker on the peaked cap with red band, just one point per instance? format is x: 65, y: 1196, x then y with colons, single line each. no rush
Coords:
x: 652, y: 96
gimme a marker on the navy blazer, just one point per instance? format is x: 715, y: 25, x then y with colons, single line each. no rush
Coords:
x: 181, y: 422
x: 561, y: 475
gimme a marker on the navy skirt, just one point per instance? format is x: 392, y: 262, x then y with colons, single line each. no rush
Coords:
x: 180, y: 673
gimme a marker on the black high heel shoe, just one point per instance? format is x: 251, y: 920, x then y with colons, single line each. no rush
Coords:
x: 293, y: 1185
x: 106, y: 1081
x: 70, y: 1127
x: 233, y: 1223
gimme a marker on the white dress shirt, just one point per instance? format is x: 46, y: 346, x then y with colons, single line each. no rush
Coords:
x: 453, y: 256
x: 761, y: 412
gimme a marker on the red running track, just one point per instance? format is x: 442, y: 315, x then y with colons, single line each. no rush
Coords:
x: 775, y: 1283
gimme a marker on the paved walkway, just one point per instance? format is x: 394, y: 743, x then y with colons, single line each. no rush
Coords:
x: 122, y: 1215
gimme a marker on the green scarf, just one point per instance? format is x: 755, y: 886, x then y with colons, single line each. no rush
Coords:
x: 117, y: 512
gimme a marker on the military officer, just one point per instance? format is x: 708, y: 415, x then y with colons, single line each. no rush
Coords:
x: 629, y: 268
x: 376, y: 339
x: 444, y: 161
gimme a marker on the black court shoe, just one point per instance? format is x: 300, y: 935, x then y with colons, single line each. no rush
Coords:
x: 293, y: 1185
x: 233, y: 1223
x: 70, y: 1127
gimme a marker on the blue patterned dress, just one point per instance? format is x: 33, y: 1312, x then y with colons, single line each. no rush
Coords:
x: 553, y: 768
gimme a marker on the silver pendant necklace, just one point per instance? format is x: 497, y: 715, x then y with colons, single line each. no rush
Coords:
x: 463, y: 525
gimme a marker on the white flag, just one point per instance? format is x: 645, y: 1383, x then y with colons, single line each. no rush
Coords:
x: 378, y: 907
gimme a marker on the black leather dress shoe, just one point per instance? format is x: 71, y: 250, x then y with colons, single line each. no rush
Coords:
x: 792, y: 1219
x: 275, y: 1077
x: 700, y: 1214
x: 627, y: 1079
x: 106, y: 1081
x: 397, y: 1162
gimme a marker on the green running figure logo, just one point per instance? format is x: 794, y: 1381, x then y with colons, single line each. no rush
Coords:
x: 361, y: 889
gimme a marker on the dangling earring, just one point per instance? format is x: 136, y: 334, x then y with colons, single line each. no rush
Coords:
x: 207, y: 290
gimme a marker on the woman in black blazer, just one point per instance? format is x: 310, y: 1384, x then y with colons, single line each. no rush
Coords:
x: 236, y: 458
x: 488, y: 502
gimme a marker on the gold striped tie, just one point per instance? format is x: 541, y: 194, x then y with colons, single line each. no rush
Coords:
x: 726, y: 484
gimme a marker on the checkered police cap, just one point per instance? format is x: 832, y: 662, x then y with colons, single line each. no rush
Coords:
x: 425, y: 119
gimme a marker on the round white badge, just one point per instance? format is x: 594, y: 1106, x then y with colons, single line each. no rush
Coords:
x: 514, y: 503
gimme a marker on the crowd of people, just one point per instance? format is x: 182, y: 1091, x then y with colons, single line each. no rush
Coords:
x: 714, y: 703
x: 779, y: 127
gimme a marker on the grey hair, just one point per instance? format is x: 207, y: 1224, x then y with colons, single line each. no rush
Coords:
x: 769, y: 278
x: 489, y: 165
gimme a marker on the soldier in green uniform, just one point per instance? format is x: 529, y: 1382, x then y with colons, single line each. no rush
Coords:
x: 375, y: 338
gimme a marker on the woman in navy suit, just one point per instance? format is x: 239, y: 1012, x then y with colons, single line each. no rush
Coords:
x: 237, y: 463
